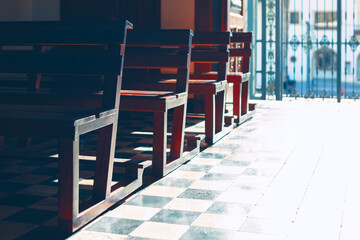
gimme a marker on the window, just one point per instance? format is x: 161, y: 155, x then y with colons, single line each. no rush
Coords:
x: 325, y: 59
x: 236, y: 6
x: 324, y: 19
x: 294, y: 17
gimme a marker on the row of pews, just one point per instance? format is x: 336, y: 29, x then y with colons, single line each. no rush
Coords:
x: 74, y: 78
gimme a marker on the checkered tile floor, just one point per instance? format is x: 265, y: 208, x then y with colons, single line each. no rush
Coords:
x: 28, y: 188
x: 282, y: 175
x: 200, y: 200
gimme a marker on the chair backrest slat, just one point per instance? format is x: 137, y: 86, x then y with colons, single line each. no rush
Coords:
x: 211, y: 38
x: 60, y: 64
x: 151, y: 51
x: 244, y: 39
x: 212, y: 47
x: 62, y: 33
x: 68, y: 56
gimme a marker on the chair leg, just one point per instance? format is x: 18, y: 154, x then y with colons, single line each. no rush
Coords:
x: 209, y: 118
x: 220, y: 111
x: 178, y: 131
x: 236, y: 101
x: 104, y: 162
x: 244, y: 98
x: 159, y: 144
x: 68, y: 197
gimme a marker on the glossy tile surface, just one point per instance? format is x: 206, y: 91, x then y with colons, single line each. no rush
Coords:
x: 291, y: 173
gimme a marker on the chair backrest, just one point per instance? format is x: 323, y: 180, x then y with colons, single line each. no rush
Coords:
x: 56, y: 53
x: 241, y: 47
x: 149, y: 50
x: 212, y: 47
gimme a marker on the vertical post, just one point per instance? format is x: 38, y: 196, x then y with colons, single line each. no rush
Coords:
x: 263, y: 49
x: 251, y: 27
x: 339, y: 58
x: 278, y: 51
x: 308, y: 57
x: 225, y: 11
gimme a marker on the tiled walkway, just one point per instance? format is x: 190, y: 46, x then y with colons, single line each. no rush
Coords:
x: 292, y: 172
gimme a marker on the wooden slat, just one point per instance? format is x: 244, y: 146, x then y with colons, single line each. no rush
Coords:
x: 159, y: 37
x: 209, y: 56
x: 155, y: 61
x: 240, y: 52
x: 53, y: 32
x: 241, y: 37
x: 212, y: 38
x: 61, y: 64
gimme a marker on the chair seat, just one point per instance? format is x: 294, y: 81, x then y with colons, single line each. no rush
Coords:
x: 146, y: 94
x: 232, y: 77
x: 50, y: 121
x: 201, y: 86
x: 142, y: 100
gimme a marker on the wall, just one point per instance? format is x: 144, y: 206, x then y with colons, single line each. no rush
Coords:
x: 27, y: 10
x: 177, y: 14
x: 46, y: 10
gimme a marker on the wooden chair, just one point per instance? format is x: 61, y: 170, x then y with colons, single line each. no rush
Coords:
x: 148, y: 53
x: 239, y: 48
x: 35, y: 114
x: 210, y: 47
x: 241, y: 79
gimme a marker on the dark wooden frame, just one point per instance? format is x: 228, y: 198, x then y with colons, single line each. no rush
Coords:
x: 158, y: 50
x: 67, y: 123
x: 240, y: 48
x: 210, y: 47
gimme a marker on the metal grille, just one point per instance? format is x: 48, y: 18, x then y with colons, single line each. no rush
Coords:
x: 307, y: 48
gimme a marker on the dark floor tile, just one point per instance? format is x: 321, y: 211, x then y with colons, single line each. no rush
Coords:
x: 50, y: 182
x: 227, y: 145
x: 12, y: 187
x: 124, y: 155
x: 4, y: 163
x: 235, y: 209
x: 46, y: 171
x: 29, y: 179
x: 39, y: 163
x: 175, y: 182
x: 146, y: 152
x: 196, y: 168
x: 85, y: 194
x: 208, y: 234
x: 13, y: 230
x: 135, y: 145
x: 42, y: 232
x: 214, y: 155
x: 87, y: 167
x: 175, y: 217
x: 4, y: 194
x: 20, y: 200
x: 200, y: 194
x: 235, y: 163
x: 139, y: 238
x: 127, y: 139
x: 32, y: 216
x: 219, y: 176
x: 115, y: 225
x: 19, y: 168
x: 149, y: 201
x: 6, y: 175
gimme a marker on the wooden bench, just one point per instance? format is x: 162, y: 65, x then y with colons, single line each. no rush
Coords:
x: 239, y: 48
x: 35, y: 114
x: 148, y: 53
x: 210, y: 47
